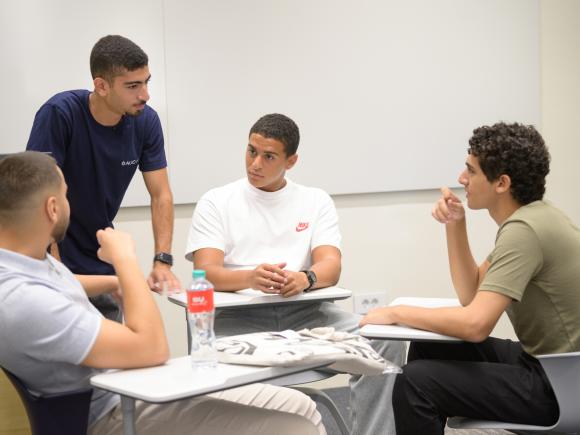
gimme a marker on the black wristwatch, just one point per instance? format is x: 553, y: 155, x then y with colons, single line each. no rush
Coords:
x: 311, y: 279
x: 164, y: 257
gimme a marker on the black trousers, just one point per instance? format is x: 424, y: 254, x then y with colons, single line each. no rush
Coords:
x: 492, y: 380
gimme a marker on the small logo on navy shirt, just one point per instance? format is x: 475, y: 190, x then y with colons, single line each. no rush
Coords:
x: 129, y: 162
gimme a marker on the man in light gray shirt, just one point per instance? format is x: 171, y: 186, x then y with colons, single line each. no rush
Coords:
x: 54, y: 340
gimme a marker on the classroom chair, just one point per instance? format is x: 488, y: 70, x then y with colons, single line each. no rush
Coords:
x: 563, y: 371
x: 54, y: 414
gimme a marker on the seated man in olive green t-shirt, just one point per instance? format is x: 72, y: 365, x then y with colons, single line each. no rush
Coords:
x: 532, y: 274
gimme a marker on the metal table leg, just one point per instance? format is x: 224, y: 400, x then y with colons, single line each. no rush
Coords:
x: 128, y: 408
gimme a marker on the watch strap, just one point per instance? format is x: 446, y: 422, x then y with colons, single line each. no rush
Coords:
x: 311, y: 276
x: 163, y: 257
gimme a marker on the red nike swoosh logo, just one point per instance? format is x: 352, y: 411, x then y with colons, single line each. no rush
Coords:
x: 301, y: 226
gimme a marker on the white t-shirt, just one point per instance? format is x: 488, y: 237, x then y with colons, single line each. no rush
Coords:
x: 253, y: 227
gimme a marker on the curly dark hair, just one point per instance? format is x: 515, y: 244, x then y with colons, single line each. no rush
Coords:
x: 515, y: 150
x: 112, y: 54
x: 278, y: 127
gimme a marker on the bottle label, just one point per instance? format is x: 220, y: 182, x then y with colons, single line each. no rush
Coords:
x: 200, y: 301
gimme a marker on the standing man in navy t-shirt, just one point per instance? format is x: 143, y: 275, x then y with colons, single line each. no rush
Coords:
x: 98, y: 139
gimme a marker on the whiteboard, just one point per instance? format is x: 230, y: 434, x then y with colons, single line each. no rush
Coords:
x: 386, y: 92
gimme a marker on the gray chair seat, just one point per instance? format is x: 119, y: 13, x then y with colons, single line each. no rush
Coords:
x: 563, y: 372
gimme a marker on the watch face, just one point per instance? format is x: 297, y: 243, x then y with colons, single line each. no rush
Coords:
x: 311, y: 277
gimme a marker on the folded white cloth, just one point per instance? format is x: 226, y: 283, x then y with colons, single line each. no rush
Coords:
x: 351, y: 353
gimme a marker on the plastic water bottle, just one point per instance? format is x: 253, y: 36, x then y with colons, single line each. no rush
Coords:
x: 200, y: 315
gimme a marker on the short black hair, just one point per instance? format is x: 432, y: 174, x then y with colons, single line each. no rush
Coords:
x: 112, y: 54
x: 515, y: 150
x: 22, y: 176
x: 278, y: 127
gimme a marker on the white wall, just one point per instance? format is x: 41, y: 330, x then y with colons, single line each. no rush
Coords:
x: 560, y: 97
x: 389, y: 240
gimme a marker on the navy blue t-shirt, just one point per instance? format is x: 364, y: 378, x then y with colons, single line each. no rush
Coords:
x: 98, y: 163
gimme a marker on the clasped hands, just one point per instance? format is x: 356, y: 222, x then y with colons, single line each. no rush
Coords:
x: 274, y: 279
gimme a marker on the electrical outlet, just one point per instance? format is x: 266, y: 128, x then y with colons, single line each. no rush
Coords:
x: 366, y: 300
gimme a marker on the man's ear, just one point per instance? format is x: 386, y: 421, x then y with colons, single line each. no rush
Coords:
x: 51, y: 209
x: 291, y: 161
x: 504, y: 183
x: 101, y: 86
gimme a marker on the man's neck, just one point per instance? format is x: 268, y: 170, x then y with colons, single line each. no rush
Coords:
x: 24, y: 244
x: 503, y: 210
x: 102, y: 114
x: 276, y: 188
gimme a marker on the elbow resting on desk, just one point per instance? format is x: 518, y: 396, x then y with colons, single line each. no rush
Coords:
x: 160, y: 357
x: 146, y: 353
x: 155, y: 349
x: 332, y: 281
x: 476, y: 331
x: 478, y: 319
x: 482, y: 314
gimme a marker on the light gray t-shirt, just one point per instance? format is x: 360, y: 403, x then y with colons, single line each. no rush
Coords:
x: 47, y: 327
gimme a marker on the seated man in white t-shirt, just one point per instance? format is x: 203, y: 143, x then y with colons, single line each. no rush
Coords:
x: 270, y: 234
x: 54, y: 339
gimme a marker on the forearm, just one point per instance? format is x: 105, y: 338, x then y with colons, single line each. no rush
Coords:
x: 227, y: 280
x: 162, y: 221
x: 141, y: 313
x: 453, y: 321
x: 95, y: 285
x: 327, y: 272
x: 464, y: 270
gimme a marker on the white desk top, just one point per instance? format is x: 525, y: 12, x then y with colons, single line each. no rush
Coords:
x: 178, y: 380
x: 400, y: 332
x: 249, y: 297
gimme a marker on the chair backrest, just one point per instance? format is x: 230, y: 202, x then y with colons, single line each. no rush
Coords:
x: 13, y: 418
x: 563, y: 371
x: 55, y: 414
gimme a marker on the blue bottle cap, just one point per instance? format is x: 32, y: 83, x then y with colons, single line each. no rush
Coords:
x: 198, y: 273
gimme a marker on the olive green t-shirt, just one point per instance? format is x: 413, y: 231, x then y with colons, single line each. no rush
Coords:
x: 536, y: 262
